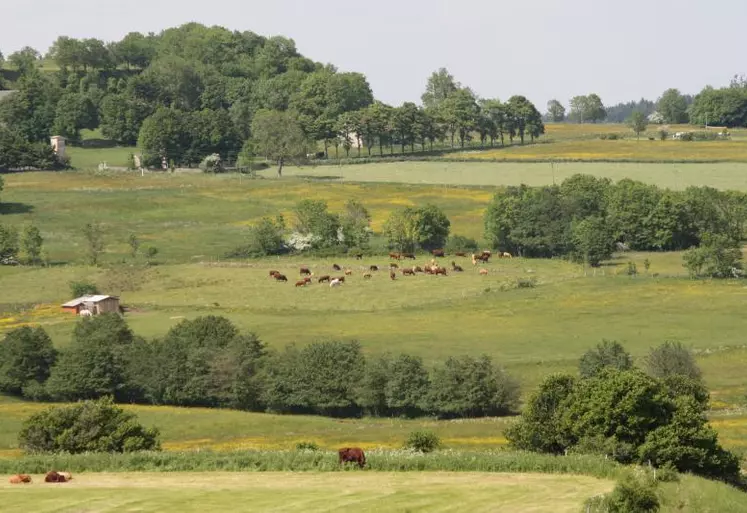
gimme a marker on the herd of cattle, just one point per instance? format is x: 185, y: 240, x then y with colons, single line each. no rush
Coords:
x: 433, y: 268
x: 50, y: 477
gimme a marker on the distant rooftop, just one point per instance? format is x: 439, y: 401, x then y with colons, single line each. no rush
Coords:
x: 86, y: 299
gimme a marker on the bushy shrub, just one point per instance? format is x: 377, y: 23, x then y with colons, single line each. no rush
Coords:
x: 423, y: 441
x: 307, y: 446
x: 718, y: 256
x: 90, y: 426
x: 83, y: 288
x: 212, y: 164
x: 264, y: 239
x: 672, y: 359
x: 608, y: 353
x: 460, y: 243
x: 633, y: 495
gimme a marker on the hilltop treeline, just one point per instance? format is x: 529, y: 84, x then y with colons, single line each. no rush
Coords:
x: 208, y: 362
x: 193, y: 91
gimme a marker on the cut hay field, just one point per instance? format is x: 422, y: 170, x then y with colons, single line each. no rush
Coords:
x: 307, y: 491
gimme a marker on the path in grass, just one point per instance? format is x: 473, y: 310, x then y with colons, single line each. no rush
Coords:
x: 289, y: 492
x: 731, y: 175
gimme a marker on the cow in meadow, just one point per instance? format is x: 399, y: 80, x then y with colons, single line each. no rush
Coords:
x: 352, y: 455
x: 20, y: 479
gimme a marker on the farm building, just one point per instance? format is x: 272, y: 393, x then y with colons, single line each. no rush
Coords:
x: 93, y: 305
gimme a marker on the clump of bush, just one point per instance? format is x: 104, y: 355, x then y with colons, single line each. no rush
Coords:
x: 307, y: 446
x: 211, y: 164
x: 632, y: 494
x: 83, y: 288
x: 456, y: 243
x: 423, y: 441
x: 89, y: 426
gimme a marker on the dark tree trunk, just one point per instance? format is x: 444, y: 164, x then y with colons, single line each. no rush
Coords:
x: 281, y: 161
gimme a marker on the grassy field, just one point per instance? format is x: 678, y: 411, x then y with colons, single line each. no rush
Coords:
x: 288, y: 492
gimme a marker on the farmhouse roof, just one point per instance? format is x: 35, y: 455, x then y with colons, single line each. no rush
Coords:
x: 87, y: 299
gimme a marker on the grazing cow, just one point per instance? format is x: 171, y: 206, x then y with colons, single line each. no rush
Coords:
x: 408, y: 272
x: 322, y: 279
x: 373, y: 268
x: 359, y: 256
x: 20, y: 479
x: 460, y: 254
x: 482, y: 257
x: 392, y: 275
x: 506, y: 255
x: 307, y: 279
x: 348, y: 272
x: 483, y: 272
x: 456, y: 268
x: 352, y: 455
x: 280, y: 277
x: 367, y: 276
x: 341, y: 279
x: 301, y: 283
x: 438, y: 253
x: 395, y: 256
x: 487, y: 252
x: 440, y: 270
x: 411, y: 256
x: 417, y: 269
x: 305, y: 271
x: 336, y: 267
x: 335, y: 283
x: 67, y: 475
x: 54, y: 477
x: 273, y: 273
x: 394, y: 266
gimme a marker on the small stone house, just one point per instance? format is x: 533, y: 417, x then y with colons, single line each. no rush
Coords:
x: 92, y: 305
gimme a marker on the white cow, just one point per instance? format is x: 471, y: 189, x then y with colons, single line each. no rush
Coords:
x: 335, y: 283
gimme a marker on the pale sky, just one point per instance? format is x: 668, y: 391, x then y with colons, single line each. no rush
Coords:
x: 543, y: 49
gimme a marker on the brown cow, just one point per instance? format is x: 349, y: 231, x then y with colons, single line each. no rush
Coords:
x: 417, y: 269
x: 411, y: 256
x: 307, y: 279
x: 20, y: 479
x: 273, y: 273
x: 392, y: 275
x: 393, y: 266
x: 54, y: 477
x: 456, y: 268
x: 305, y: 271
x: 367, y: 276
x: 359, y: 256
x: 484, y: 272
x: 395, y: 256
x: 280, y: 277
x: 440, y: 270
x: 301, y: 283
x: 322, y: 279
x: 348, y: 272
x: 438, y: 253
x: 352, y: 455
x: 408, y: 272
x: 373, y: 268
x: 336, y: 267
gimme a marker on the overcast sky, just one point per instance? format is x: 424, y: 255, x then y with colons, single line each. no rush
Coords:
x: 543, y: 49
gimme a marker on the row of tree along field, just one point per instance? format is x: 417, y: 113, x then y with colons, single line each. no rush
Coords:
x: 193, y: 91
x: 585, y: 218
x: 654, y: 415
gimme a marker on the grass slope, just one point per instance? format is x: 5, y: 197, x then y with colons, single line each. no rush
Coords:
x: 290, y: 492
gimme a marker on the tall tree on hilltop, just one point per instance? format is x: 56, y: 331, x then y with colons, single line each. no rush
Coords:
x: 441, y: 85
x: 555, y: 111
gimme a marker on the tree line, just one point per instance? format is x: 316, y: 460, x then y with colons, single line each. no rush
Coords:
x: 208, y: 362
x: 193, y: 91
x: 585, y: 217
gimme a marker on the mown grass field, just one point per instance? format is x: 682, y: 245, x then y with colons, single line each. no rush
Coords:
x: 193, y: 219
x: 288, y: 492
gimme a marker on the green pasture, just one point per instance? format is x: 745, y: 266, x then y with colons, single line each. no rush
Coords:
x: 288, y: 492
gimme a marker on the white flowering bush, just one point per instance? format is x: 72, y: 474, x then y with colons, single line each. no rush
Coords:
x: 301, y: 242
x: 212, y: 164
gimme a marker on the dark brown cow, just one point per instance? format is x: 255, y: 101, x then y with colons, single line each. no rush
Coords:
x: 20, y: 479
x: 395, y: 256
x: 438, y: 253
x: 411, y: 256
x: 393, y: 266
x: 373, y: 268
x: 392, y: 275
x: 305, y: 271
x: 280, y: 277
x: 359, y: 256
x: 352, y: 455
x: 307, y: 279
x: 322, y: 279
x: 336, y: 267
x: 440, y: 270
x: 367, y: 276
x: 273, y: 273
x: 54, y: 477
x: 456, y: 268
x: 408, y: 272
x: 418, y: 269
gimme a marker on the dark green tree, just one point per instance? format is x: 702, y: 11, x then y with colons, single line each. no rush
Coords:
x: 407, y: 387
x: 608, y: 353
x: 31, y: 243
x: 638, y: 123
x: 593, y: 241
x: 432, y: 227
x: 26, y: 357
x: 278, y: 136
x: 718, y: 256
x: 672, y: 106
x: 555, y: 111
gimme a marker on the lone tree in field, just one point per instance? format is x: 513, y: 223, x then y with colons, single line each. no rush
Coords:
x: 555, y: 111
x: 638, y: 123
x: 278, y: 136
x: 94, y: 236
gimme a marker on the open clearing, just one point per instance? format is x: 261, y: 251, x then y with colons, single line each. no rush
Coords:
x: 288, y: 492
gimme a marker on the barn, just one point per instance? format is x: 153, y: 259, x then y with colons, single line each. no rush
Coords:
x: 94, y: 304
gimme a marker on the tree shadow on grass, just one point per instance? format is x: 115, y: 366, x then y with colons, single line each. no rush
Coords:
x: 15, y: 208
